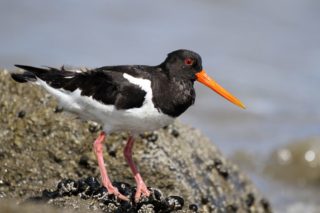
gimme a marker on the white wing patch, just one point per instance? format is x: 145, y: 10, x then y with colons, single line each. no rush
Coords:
x: 69, y: 77
x: 143, y: 84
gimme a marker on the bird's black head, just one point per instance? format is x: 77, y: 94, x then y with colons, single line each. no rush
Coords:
x: 187, y: 65
x: 183, y: 64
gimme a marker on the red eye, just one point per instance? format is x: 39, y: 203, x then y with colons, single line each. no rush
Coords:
x: 188, y: 61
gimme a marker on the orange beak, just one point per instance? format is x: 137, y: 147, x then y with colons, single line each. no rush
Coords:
x: 209, y: 82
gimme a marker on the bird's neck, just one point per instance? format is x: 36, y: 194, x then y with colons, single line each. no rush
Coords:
x: 173, y: 96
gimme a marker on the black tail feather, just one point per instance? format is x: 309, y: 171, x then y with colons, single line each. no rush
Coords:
x: 53, y: 76
x: 35, y: 70
x: 30, y: 74
x: 24, y: 77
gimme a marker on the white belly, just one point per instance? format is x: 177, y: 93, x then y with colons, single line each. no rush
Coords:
x: 135, y: 120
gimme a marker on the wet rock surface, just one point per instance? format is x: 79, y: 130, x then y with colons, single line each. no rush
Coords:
x: 42, y: 147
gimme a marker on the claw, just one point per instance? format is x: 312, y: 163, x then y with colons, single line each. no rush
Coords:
x: 142, y: 190
x: 113, y: 190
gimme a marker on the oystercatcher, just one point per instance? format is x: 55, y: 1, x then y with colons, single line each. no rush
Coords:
x: 134, y: 98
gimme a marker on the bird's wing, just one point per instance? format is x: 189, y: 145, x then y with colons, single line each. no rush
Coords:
x: 105, y: 85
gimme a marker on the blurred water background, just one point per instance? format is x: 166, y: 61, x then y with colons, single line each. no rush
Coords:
x: 265, y: 52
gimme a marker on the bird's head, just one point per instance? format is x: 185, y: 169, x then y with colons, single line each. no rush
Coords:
x: 186, y: 64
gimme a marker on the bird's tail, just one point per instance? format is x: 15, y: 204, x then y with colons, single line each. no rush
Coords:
x: 29, y: 75
x: 50, y: 75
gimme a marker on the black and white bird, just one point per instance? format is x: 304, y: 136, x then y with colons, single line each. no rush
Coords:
x: 132, y: 98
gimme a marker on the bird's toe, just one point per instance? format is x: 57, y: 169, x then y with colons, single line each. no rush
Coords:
x: 142, y: 191
x: 114, y: 191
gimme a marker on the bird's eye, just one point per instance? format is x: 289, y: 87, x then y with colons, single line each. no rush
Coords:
x: 188, y: 61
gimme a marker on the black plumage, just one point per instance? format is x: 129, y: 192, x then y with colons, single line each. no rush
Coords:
x: 106, y: 86
x: 171, y: 82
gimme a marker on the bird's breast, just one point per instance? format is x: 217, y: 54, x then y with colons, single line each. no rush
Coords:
x: 173, y: 97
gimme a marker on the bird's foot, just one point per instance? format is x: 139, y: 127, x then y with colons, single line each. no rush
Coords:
x: 142, y: 191
x: 113, y: 190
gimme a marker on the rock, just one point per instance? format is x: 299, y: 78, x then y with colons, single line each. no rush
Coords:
x: 189, y: 171
x: 58, y: 109
x: 9, y: 206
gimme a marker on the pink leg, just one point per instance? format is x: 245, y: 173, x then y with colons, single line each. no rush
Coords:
x: 141, y: 186
x: 98, y: 150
